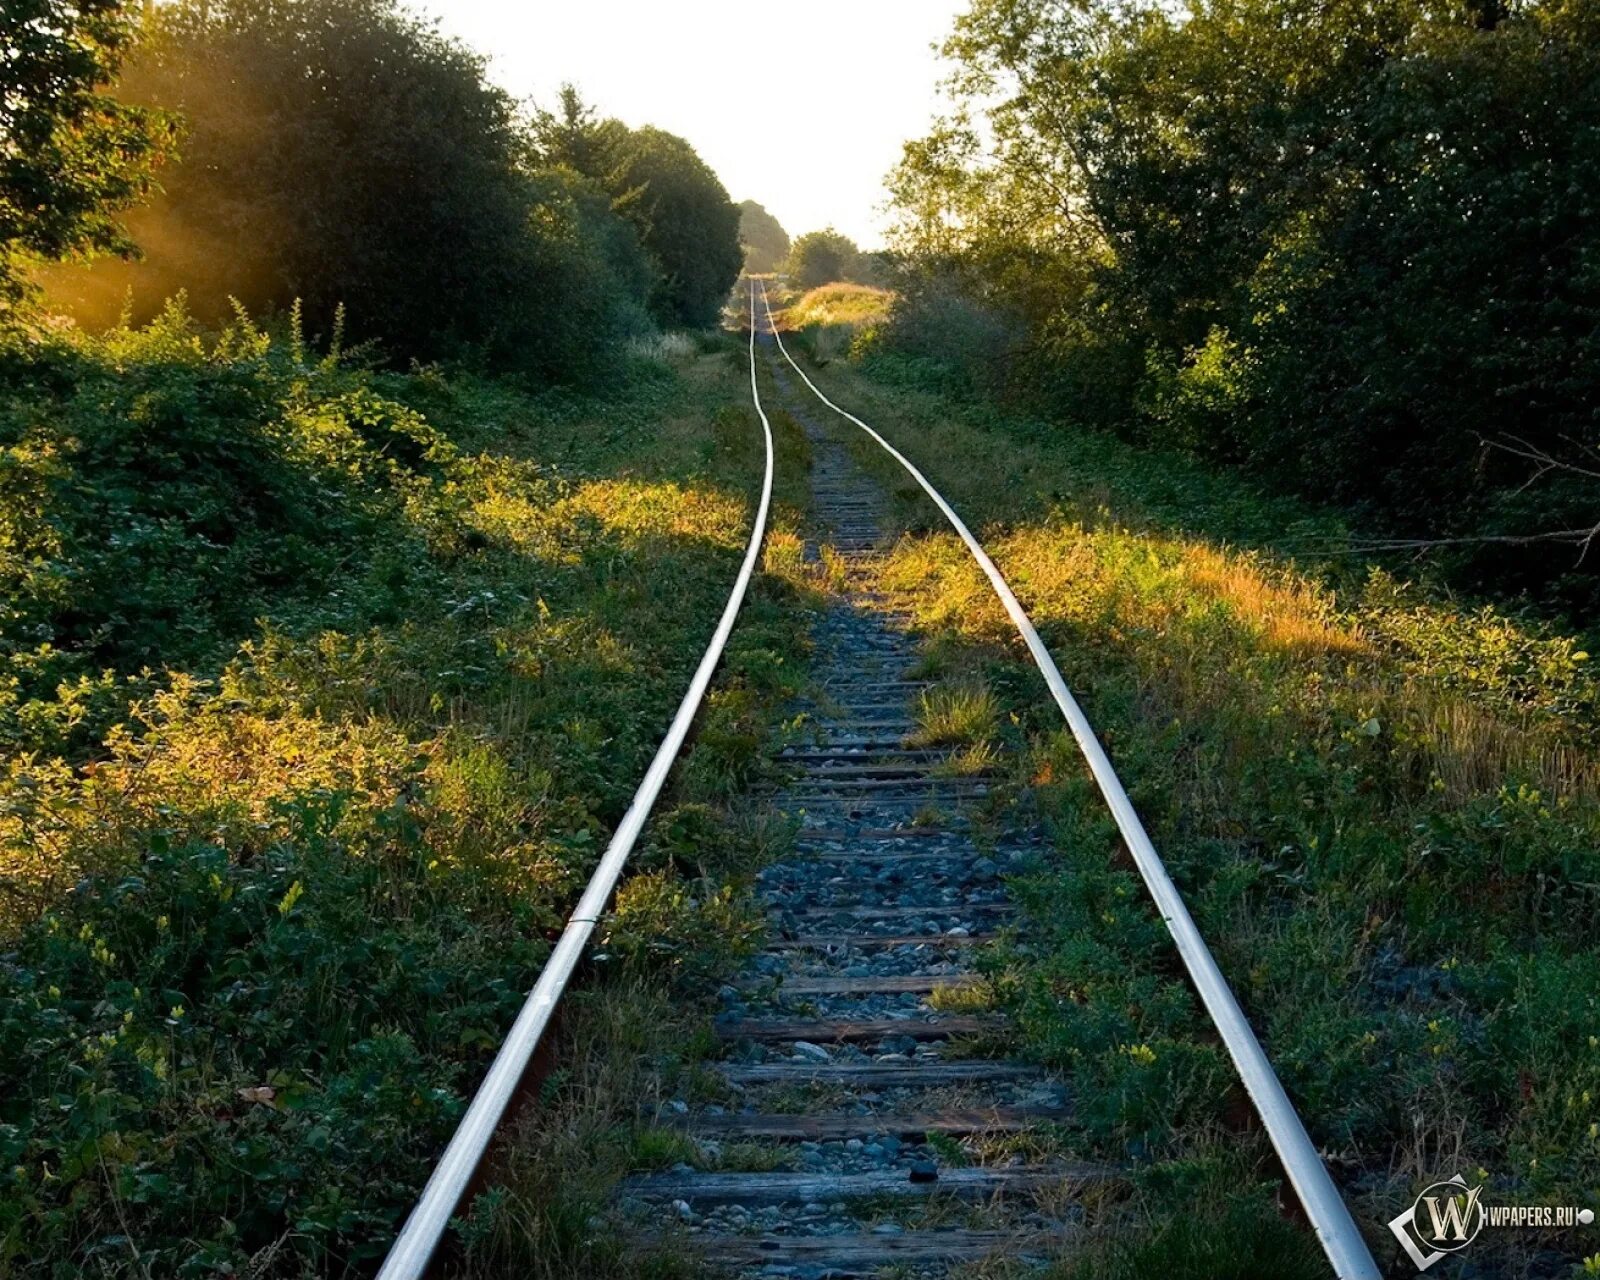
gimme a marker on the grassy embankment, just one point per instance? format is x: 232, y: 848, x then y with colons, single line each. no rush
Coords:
x: 323, y: 690
x: 825, y: 320
x: 1383, y: 809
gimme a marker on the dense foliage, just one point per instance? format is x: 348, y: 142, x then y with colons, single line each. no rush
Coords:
x: 1351, y: 246
x: 765, y: 242
x: 687, y: 222
x: 347, y: 154
x: 70, y: 156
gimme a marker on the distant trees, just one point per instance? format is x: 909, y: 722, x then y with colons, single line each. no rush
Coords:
x: 1351, y: 247
x: 821, y: 257
x: 657, y: 181
x: 70, y: 155
x: 765, y: 242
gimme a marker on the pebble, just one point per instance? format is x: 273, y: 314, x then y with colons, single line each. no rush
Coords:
x: 942, y: 892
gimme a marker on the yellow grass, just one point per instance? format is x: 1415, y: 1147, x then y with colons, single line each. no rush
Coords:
x: 841, y: 303
x: 1293, y: 614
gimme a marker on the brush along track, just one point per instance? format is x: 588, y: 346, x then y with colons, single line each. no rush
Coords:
x: 894, y: 1132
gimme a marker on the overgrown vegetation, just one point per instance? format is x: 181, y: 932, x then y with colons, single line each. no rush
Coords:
x: 274, y: 888
x: 323, y: 684
x: 1381, y: 807
x: 855, y: 305
x: 1346, y: 246
x: 684, y: 922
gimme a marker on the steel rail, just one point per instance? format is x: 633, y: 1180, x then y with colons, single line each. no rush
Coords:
x: 1336, y: 1230
x: 413, y: 1248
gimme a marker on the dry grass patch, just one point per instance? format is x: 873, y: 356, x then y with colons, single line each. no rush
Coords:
x: 842, y: 303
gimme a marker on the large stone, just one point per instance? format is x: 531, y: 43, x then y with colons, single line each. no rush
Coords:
x: 809, y: 1052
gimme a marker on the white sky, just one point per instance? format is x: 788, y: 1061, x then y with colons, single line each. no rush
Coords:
x: 802, y: 107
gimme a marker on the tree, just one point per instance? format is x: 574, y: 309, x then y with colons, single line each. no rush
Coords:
x: 344, y: 153
x: 659, y: 183
x: 1345, y: 243
x: 766, y: 243
x: 71, y: 156
x: 574, y: 137
x: 334, y: 153
x: 685, y: 220
x: 822, y: 257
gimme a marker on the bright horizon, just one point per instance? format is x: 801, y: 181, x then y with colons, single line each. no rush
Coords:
x: 862, y: 76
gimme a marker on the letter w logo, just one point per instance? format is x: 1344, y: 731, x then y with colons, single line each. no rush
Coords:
x: 1458, y: 1213
x: 1455, y: 1218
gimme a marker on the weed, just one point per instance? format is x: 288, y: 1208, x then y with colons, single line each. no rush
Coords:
x: 961, y: 998
x: 954, y: 715
x: 663, y: 348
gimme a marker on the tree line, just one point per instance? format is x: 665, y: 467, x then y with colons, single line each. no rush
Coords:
x: 1350, y: 246
x: 810, y: 260
x: 344, y: 155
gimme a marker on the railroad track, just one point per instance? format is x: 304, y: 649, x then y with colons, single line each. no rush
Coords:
x: 837, y: 1051
x: 858, y: 1045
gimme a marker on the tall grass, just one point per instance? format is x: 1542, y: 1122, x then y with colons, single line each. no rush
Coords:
x: 842, y: 303
x: 956, y: 715
x: 671, y: 347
